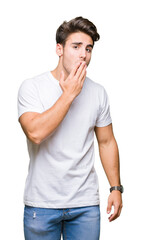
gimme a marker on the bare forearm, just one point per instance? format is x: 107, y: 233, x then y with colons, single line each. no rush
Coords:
x: 45, y: 123
x: 109, y: 155
x: 38, y: 126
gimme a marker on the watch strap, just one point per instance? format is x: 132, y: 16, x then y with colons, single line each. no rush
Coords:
x: 119, y: 188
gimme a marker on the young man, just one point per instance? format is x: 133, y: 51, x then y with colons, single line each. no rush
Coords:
x: 59, y: 112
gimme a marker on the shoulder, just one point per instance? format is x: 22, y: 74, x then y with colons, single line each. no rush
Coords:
x: 35, y: 79
x: 33, y: 82
x: 95, y: 86
x: 98, y: 91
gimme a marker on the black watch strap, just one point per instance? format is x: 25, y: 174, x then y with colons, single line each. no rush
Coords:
x: 119, y: 188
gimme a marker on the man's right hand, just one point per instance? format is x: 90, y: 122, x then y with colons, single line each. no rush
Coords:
x: 73, y: 84
x: 38, y: 126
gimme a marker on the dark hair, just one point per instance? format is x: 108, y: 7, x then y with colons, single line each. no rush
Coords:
x: 78, y: 24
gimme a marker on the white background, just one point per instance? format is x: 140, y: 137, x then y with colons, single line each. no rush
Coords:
x: 27, y: 48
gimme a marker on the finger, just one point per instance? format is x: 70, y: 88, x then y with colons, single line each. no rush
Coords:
x: 110, y: 218
x: 83, y: 78
x: 113, y: 217
x: 115, y: 214
x: 74, y: 70
x: 119, y: 211
x: 61, y: 76
x: 80, y: 70
x: 109, y: 207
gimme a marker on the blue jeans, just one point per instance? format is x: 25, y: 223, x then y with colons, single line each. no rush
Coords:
x: 81, y: 223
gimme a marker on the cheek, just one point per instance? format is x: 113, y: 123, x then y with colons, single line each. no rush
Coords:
x: 71, y: 55
x: 88, y: 59
x: 69, y: 59
x: 67, y: 63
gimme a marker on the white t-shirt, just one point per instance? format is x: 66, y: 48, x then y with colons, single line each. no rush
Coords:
x: 61, y: 170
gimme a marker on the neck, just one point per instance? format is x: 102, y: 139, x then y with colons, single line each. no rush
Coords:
x: 57, y: 71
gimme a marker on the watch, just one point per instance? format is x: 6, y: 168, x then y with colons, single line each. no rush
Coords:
x: 119, y: 188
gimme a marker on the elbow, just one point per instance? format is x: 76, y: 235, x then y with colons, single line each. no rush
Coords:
x: 108, y: 143
x: 33, y: 134
x: 34, y: 138
x: 36, y: 141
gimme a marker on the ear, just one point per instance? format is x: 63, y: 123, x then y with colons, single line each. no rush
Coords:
x: 59, y: 49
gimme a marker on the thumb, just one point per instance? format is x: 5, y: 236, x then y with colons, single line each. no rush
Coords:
x: 109, y: 207
x: 61, y: 76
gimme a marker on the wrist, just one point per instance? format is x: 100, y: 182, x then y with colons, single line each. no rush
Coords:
x: 67, y: 97
x: 117, y: 188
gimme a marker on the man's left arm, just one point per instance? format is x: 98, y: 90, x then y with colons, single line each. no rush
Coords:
x: 109, y: 156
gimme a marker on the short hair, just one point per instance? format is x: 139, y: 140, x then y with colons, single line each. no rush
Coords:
x: 78, y: 24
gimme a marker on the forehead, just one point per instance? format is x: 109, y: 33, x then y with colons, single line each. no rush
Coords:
x: 79, y: 37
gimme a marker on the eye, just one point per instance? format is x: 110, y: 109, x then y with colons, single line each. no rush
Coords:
x: 88, y: 50
x: 75, y: 47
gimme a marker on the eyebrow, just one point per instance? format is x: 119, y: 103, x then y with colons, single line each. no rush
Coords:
x: 80, y: 43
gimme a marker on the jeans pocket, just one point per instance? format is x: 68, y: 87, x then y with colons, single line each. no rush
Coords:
x: 34, y: 220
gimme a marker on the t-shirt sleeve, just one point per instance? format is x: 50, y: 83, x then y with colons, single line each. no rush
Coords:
x: 104, y: 117
x: 28, y: 98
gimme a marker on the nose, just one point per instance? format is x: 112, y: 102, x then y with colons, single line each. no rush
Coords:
x: 83, y: 54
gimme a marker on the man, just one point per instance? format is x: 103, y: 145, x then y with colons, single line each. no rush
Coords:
x: 59, y: 112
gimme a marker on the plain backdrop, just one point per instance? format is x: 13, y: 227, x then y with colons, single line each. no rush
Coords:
x: 27, y: 48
